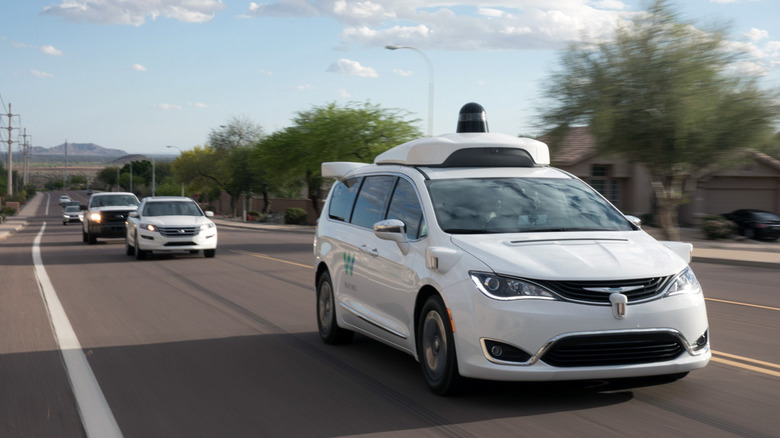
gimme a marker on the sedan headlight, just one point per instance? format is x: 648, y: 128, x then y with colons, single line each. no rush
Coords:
x: 148, y: 227
x: 506, y: 288
x: 685, y: 282
x: 206, y: 226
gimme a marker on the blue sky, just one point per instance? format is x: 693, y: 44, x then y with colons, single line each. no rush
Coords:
x: 139, y: 75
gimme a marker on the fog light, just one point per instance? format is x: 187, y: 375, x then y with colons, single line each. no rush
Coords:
x: 499, y: 351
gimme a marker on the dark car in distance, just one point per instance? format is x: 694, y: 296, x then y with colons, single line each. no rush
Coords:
x: 756, y: 224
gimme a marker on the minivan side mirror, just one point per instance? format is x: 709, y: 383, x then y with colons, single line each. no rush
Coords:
x: 209, y: 213
x: 634, y: 220
x: 395, y: 230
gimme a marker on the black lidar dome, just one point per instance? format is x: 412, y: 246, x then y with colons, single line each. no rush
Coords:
x: 472, y: 118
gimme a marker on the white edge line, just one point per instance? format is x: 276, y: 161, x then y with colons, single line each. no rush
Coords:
x: 96, y: 415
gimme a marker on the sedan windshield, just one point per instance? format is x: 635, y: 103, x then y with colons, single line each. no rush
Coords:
x: 172, y: 209
x: 514, y: 205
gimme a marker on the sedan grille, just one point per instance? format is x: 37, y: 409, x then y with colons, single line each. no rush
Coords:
x: 598, y: 292
x: 613, y: 349
x: 178, y: 231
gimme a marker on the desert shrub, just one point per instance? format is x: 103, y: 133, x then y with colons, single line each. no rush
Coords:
x: 295, y: 216
x: 718, y: 227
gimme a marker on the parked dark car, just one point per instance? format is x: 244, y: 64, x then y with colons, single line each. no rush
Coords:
x: 756, y: 224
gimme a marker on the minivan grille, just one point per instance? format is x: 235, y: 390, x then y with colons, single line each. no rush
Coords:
x: 613, y: 349
x: 635, y: 290
x: 178, y: 231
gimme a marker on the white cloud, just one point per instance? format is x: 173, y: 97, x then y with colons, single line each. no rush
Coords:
x: 198, y: 105
x: 166, y: 106
x: 403, y: 73
x: 134, y: 12
x: 304, y: 87
x: 757, y: 34
x: 50, y: 50
x: 459, y: 25
x: 352, y: 68
x: 41, y: 74
x: 344, y: 94
x: 265, y: 73
x: 137, y: 67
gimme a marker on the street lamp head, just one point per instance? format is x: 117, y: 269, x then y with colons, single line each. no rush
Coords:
x: 393, y: 47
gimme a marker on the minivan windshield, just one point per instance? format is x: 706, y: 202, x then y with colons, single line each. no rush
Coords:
x: 517, y: 205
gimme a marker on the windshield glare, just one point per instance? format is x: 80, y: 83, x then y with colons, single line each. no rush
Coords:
x: 172, y: 209
x: 516, y: 205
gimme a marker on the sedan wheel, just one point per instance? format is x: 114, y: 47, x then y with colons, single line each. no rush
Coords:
x: 140, y: 254
x: 129, y: 249
x: 208, y: 253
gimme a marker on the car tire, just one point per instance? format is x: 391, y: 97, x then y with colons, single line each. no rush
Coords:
x: 750, y: 233
x: 436, y: 349
x: 140, y: 254
x: 129, y: 249
x: 91, y: 239
x: 209, y: 253
x: 83, y: 236
x: 330, y: 332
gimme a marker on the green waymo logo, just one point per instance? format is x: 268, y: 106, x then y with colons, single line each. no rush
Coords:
x: 349, y: 263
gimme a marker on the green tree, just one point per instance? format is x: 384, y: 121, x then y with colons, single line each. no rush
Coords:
x: 660, y: 94
x: 222, y: 163
x: 355, y: 132
x: 106, y: 178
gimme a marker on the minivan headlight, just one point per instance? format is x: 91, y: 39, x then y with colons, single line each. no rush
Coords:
x: 685, y: 282
x: 508, y: 288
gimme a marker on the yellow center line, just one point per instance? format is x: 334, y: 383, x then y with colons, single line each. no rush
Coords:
x: 758, y: 306
x: 747, y: 359
x: 745, y: 366
x: 263, y: 256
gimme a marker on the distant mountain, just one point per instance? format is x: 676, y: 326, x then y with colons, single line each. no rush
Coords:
x: 78, y: 149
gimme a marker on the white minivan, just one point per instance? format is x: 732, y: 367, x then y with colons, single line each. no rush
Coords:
x: 469, y: 252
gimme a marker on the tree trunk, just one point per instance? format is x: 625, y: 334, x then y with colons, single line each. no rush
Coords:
x: 668, y: 201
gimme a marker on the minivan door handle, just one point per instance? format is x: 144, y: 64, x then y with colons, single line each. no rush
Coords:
x: 366, y: 249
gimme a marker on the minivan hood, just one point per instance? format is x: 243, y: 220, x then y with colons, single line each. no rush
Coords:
x: 573, y: 255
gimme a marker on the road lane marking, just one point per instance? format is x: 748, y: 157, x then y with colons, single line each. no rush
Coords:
x: 263, y: 256
x: 758, y: 306
x: 96, y: 415
x: 747, y: 359
x: 745, y: 366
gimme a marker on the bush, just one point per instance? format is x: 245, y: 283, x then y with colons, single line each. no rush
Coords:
x: 718, y: 227
x: 295, y: 216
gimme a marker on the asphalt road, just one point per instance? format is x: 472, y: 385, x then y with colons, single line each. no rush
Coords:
x: 186, y: 346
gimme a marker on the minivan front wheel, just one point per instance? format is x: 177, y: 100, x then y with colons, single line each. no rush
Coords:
x: 436, y: 349
x: 330, y: 332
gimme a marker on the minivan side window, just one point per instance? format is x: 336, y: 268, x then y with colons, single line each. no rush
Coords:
x: 371, y: 201
x: 406, y: 207
x: 343, y: 199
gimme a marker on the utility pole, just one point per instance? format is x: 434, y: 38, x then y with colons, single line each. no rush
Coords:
x: 65, y: 182
x: 25, y: 157
x: 10, y: 190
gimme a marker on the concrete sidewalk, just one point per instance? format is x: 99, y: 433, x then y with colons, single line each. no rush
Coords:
x: 738, y: 251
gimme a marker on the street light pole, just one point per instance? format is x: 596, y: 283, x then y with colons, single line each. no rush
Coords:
x: 430, y: 82
x: 180, y: 152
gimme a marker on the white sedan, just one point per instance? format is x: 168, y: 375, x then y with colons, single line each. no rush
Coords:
x: 170, y: 223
